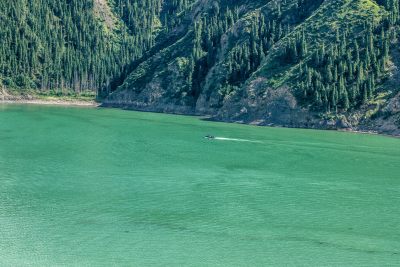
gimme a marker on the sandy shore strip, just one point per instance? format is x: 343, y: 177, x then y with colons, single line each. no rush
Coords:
x: 52, y: 101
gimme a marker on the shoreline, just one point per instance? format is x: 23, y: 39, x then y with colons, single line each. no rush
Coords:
x: 54, y: 101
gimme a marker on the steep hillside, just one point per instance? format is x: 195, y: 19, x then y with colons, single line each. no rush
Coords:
x: 324, y: 64
x: 341, y: 72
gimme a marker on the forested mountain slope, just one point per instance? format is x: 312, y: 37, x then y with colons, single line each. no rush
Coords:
x: 74, y: 45
x: 323, y: 64
x: 299, y: 63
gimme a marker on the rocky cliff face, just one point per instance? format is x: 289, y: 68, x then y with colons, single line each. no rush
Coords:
x: 195, y: 77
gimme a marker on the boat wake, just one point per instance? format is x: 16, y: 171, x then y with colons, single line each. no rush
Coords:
x: 236, y: 140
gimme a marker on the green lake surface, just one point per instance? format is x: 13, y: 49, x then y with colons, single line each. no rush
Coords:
x: 107, y: 187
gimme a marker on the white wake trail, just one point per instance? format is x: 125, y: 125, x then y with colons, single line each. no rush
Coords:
x: 236, y: 140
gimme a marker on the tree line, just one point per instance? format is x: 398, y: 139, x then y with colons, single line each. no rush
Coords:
x: 61, y: 46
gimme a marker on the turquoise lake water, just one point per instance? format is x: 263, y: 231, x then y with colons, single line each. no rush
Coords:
x: 106, y: 187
